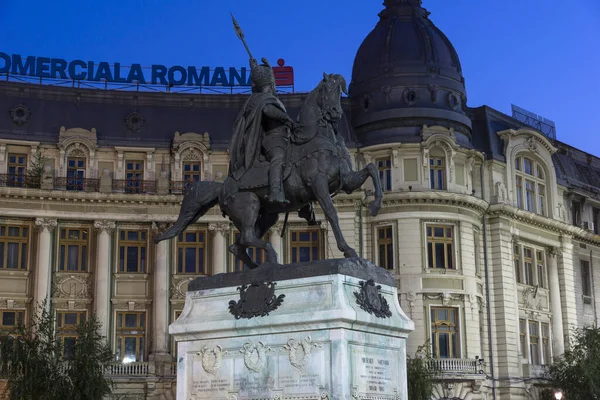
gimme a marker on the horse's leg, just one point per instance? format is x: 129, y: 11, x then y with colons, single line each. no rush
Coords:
x: 320, y: 187
x: 264, y: 223
x: 243, y: 210
x: 239, y: 251
x: 352, y: 181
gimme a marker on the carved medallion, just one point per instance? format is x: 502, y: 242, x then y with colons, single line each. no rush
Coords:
x: 211, y: 359
x: 370, y: 299
x: 256, y: 300
x: 254, y: 356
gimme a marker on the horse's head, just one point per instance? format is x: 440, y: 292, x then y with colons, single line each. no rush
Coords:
x: 330, y: 100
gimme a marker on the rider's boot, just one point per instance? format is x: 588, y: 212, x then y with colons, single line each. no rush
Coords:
x: 275, y: 182
x: 308, y: 213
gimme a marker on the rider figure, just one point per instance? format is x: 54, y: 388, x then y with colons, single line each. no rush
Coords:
x: 263, y: 126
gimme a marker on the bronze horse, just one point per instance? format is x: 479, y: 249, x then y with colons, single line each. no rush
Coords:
x: 318, y: 165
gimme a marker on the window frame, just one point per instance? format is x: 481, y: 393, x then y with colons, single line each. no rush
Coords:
x: 139, y: 244
x: 68, y: 330
x: 83, y: 250
x: 201, y: 262
x: 435, y: 181
x: 430, y: 265
x: 193, y: 176
x: 138, y: 332
x: 543, y: 335
x: 457, y: 331
x: 76, y: 182
x: 531, y: 189
x: 134, y: 184
x: 390, y: 246
x: 587, y: 287
x: 16, y: 179
x: 23, y: 246
x: 291, y: 245
x: 520, y: 268
x: 385, y: 172
x: 7, y: 328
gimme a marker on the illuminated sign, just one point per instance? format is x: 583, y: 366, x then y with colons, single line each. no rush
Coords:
x: 78, y: 70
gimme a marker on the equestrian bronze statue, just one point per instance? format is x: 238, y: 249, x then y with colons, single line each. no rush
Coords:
x: 279, y: 166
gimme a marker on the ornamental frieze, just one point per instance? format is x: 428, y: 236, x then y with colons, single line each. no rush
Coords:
x: 72, y: 286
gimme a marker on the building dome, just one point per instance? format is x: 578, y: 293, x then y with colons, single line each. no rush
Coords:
x: 406, y: 74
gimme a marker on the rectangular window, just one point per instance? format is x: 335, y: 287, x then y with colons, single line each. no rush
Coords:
x: 528, y: 264
x: 576, y: 213
x: 73, y: 248
x: 519, y: 192
x: 257, y: 255
x: 131, y: 332
x: 529, y: 196
x: 191, y: 171
x: 66, y: 330
x: 517, y: 258
x: 596, y: 220
x: 14, y: 242
x: 75, y: 173
x: 440, y: 246
x: 305, y: 245
x: 586, y: 282
x: 445, y: 332
x: 134, y: 176
x: 191, y: 252
x: 541, y: 269
x: 523, y: 337
x: 546, y: 343
x: 10, y: 319
x: 437, y: 173
x: 384, y: 165
x: 534, y: 343
x: 132, y: 251
x: 541, y: 199
x: 385, y: 247
x: 17, y: 169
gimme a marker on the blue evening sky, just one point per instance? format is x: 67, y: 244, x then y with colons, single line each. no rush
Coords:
x: 542, y: 55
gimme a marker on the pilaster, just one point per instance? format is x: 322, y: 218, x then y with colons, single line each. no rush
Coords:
x: 103, y: 271
x: 45, y: 226
x: 218, y: 231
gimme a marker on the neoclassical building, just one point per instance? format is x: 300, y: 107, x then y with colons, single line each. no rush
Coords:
x: 491, y: 227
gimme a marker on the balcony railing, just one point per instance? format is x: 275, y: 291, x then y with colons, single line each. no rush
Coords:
x: 134, y: 186
x: 127, y: 369
x: 179, y: 187
x: 77, y: 184
x: 21, y: 181
x: 454, y: 365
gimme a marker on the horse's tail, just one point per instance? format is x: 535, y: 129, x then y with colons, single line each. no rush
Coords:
x: 200, y: 197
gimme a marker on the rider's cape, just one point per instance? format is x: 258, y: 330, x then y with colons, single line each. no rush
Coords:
x: 246, y: 142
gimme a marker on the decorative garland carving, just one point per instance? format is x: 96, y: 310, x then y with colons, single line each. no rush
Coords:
x: 177, y: 287
x: 212, y: 359
x: 293, y: 346
x: 248, y: 350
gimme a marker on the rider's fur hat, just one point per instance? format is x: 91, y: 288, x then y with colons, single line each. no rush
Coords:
x: 261, y: 75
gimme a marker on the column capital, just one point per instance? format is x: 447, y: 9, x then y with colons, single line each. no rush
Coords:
x: 553, y: 251
x: 45, y: 224
x: 159, y: 227
x: 221, y: 228
x: 105, y: 226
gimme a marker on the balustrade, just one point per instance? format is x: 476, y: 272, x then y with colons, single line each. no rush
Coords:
x: 451, y: 365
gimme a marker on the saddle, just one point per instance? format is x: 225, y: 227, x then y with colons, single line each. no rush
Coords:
x: 258, y: 175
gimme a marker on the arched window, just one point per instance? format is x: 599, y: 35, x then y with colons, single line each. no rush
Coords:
x: 531, y: 186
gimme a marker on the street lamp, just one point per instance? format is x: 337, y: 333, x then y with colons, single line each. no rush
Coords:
x: 558, y: 395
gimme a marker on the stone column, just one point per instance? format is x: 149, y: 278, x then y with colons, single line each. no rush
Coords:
x: 558, y: 343
x: 568, y: 297
x: 218, y: 247
x: 275, y: 240
x: 103, y: 271
x: 45, y: 227
x: 161, y: 298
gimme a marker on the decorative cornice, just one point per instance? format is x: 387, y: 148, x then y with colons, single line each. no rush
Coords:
x: 45, y: 224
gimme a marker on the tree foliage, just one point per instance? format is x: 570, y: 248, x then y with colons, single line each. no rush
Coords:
x: 577, y: 371
x: 36, y: 170
x: 31, y: 358
x: 420, y: 374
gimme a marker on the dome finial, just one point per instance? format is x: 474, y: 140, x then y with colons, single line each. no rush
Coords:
x: 403, y: 7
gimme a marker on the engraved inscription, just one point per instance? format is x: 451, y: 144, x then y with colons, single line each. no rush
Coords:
x: 375, y: 373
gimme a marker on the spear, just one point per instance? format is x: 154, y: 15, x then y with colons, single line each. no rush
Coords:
x: 240, y: 34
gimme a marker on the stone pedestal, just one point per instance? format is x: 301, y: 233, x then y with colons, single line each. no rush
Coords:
x: 334, y: 330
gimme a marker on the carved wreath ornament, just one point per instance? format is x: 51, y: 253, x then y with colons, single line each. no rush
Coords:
x: 304, y: 347
x: 370, y: 299
x: 261, y: 356
x: 211, y: 359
